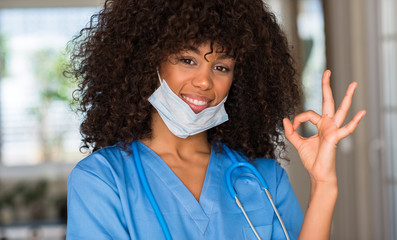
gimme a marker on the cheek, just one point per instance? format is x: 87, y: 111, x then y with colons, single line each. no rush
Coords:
x: 173, y: 80
x: 224, y: 89
x: 174, y: 86
x: 229, y: 85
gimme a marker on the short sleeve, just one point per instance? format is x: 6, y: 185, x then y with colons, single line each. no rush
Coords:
x: 94, y: 208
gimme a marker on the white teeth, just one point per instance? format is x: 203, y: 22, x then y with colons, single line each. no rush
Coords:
x: 195, y: 101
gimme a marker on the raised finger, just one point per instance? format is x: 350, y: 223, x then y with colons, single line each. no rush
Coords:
x: 328, y: 100
x: 343, y: 109
x: 351, y: 126
x: 310, y: 116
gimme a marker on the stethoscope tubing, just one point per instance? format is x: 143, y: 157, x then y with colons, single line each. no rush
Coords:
x: 148, y: 191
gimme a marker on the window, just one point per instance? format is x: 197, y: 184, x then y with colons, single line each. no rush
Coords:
x: 310, y: 23
x: 37, y: 123
x: 39, y: 133
x: 388, y: 68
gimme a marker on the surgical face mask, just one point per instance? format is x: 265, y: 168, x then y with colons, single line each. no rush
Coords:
x: 180, y: 118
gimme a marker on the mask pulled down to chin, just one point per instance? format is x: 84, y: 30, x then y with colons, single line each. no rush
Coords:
x: 180, y: 118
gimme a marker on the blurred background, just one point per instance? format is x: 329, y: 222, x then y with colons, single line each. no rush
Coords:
x: 39, y: 133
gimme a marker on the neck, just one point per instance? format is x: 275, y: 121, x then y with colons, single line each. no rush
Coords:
x: 164, y: 141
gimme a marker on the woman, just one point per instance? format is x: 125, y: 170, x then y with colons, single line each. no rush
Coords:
x: 173, y: 94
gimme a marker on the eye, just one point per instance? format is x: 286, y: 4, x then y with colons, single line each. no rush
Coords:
x: 222, y: 69
x: 188, y: 61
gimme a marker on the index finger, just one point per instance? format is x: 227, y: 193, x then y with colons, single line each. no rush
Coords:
x: 328, y: 100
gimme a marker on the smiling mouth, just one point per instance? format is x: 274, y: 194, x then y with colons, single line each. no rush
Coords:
x: 197, y: 105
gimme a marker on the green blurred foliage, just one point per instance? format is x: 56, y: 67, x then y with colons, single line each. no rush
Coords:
x: 3, y: 56
x: 49, y: 65
x: 53, y: 86
x: 32, y: 196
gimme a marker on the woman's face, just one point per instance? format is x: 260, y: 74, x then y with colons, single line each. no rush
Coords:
x: 200, y: 82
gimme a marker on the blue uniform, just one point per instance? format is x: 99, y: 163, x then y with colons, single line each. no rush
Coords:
x: 107, y: 201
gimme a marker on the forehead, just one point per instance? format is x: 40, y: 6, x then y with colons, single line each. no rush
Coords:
x: 208, y: 49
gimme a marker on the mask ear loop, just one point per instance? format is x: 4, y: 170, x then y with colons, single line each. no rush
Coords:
x: 158, y: 74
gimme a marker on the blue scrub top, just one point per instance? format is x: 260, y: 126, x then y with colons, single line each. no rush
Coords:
x: 107, y: 201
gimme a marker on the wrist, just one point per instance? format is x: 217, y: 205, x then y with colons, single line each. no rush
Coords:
x: 324, y: 189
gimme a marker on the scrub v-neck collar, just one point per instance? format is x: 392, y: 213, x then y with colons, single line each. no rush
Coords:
x: 200, y: 211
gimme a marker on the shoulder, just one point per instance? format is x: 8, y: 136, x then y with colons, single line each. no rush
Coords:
x: 270, y: 169
x: 95, y: 197
x: 100, y: 166
x: 102, y: 160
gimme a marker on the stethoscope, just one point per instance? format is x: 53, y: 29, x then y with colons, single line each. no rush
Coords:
x: 236, y: 164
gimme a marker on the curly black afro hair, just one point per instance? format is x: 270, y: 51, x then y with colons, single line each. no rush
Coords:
x: 116, y: 56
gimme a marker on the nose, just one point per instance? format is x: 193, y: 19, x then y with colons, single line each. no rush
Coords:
x: 203, y: 81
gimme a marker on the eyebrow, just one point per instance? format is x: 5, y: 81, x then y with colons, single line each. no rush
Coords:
x: 193, y: 48
x: 226, y: 56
